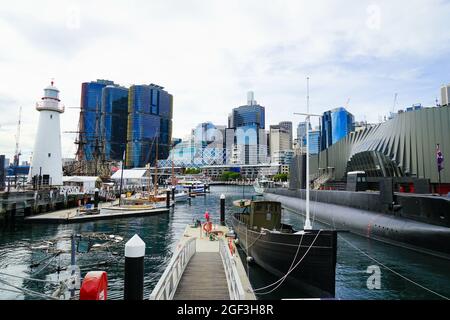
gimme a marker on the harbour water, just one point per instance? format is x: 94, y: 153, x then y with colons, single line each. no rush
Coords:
x: 24, y: 253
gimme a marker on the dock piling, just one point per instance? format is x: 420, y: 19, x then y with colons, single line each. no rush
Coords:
x: 173, y: 193
x: 72, y: 260
x: 222, y: 209
x: 168, y: 197
x: 96, y: 198
x: 134, y: 269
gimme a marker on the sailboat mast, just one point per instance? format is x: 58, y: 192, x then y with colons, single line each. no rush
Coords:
x: 156, y: 167
x: 307, y: 219
x: 148, y: 179
x: 173, y: 169
x: 121, y: 179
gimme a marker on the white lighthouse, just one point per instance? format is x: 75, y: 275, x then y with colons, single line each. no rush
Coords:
x: 46, y: 166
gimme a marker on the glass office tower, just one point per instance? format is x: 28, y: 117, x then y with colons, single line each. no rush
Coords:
x: 90, y: 119
x: 114, y: 121
x: 314, y: 142
x: 150, y: 110
x: 248, y: 123
x: 248, y: 116
x: 336, y: 124
x: 301, y: 133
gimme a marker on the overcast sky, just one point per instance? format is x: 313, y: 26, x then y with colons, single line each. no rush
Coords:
x: 208, y: 54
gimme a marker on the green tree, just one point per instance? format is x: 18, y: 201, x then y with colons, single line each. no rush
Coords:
x: 192, y: 171
x: 228, y: 175
x: 281, y: 177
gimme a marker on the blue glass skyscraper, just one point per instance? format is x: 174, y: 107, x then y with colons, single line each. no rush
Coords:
x: 90, y: 122
x: 336, y: 124
x: 114, y: 121
x: 301, y: 133
x: 314, y: 142
x: 248, y: 116
x: 150, y: 110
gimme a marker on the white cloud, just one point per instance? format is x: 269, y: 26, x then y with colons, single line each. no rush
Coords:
x: 209, y: 53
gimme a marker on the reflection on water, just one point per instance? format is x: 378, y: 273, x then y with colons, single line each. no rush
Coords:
x: 161, y: 233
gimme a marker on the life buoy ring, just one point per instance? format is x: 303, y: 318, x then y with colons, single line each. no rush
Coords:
x: 207, y: 227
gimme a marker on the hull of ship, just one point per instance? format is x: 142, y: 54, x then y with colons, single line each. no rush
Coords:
x: 275, y: 252
x: 389, y: 228
x: 182, y: 197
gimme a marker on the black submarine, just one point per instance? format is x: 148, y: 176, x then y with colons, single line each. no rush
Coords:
x: 416, y: 221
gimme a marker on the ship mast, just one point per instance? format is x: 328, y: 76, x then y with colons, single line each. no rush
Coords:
x: 174, y: 181
x: 308, y: 116
x: 148, y: 179
x: 156, y: 167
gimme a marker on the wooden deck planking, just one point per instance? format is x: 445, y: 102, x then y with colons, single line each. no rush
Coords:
x: 203, y: 279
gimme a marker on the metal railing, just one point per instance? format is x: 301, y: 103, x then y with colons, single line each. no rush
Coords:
x: 234, y: 282
x: 167, y: 285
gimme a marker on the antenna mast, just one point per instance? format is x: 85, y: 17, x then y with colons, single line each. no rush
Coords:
x: 395, y: 103
x: 17, y: 152
x: 307, y: 219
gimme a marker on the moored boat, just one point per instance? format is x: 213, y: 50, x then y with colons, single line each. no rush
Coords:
x: 305, y: 258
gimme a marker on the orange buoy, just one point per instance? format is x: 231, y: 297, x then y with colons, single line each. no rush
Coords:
x: 230, y: 245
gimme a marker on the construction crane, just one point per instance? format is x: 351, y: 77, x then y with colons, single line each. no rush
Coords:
x: 18, y: 153
x: 395, y: 103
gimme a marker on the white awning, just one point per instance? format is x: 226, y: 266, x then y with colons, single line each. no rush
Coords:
x: 130, y: 174
x: 81, y: 179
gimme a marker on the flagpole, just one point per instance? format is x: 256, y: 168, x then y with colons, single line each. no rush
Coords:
x: 439, y: 160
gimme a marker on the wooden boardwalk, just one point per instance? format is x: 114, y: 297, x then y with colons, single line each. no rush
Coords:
x: 74, y: 216
x: 210, y: 272
x: 203, y: 279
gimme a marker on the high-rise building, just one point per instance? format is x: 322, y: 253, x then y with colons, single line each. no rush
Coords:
x: 114, y: 118
x: 282, y: 157
x: 288, y: 126
x: 301, y: 133
x: 445, y: 95
x: 90, y: 143
x: 150, y: 110
x: 336, y: 124
x: 279, y: 140
x: 249, y: 143
x: 251, y: 114
x: 314, y: 142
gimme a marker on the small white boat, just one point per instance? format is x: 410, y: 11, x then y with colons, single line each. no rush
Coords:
x: 195, y: 186
x: 181, y: 196
x: 260, y: 184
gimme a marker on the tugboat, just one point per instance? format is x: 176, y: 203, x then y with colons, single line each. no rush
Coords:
x: 305, y: 258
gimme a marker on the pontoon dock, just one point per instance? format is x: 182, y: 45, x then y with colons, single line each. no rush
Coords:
x: 201, y: 269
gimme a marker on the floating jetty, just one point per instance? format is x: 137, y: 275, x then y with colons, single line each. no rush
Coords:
x: 75, y: 216
x: 204, y: 268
